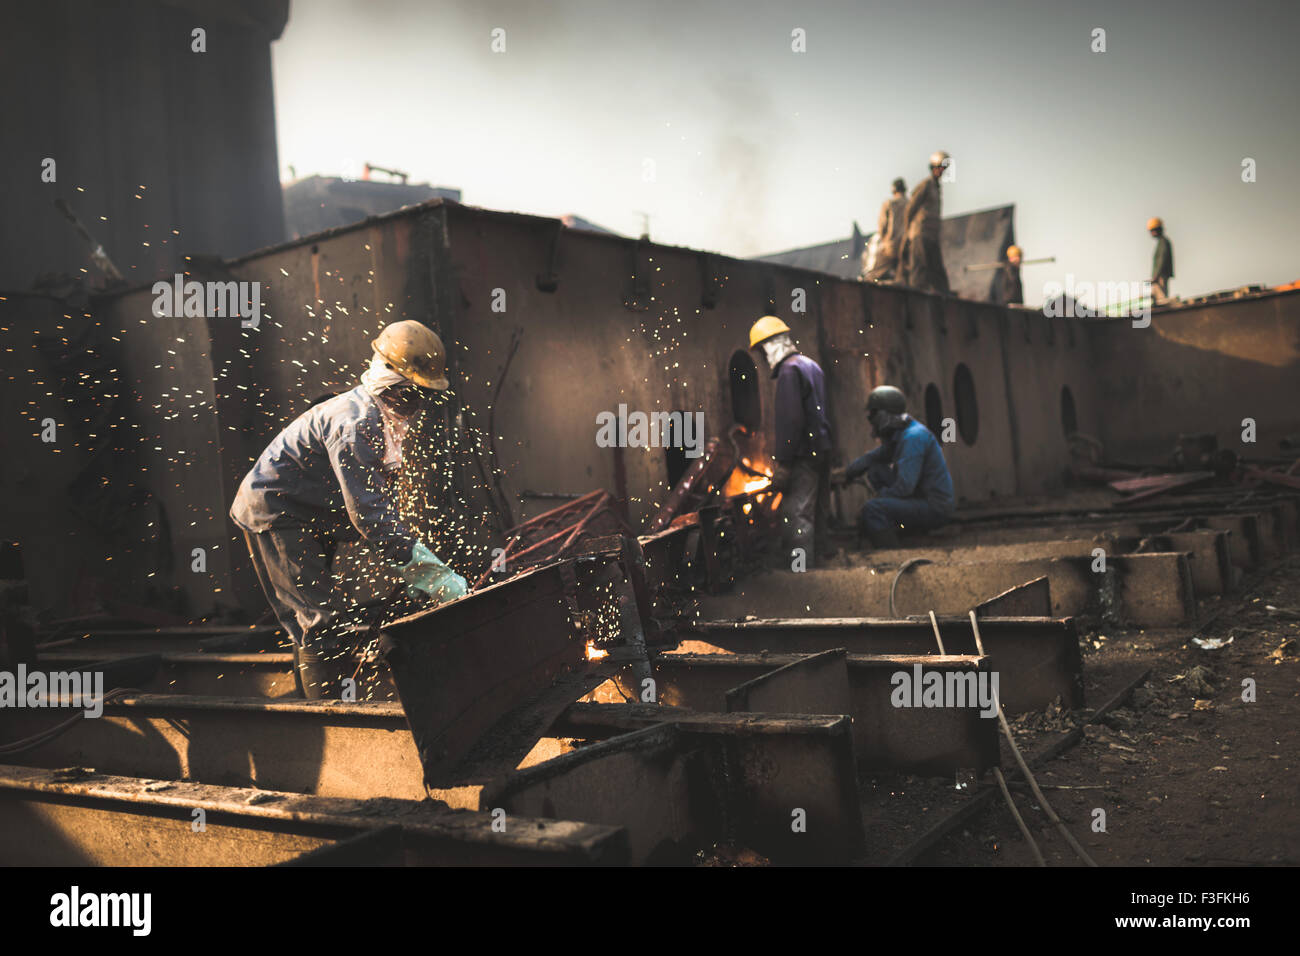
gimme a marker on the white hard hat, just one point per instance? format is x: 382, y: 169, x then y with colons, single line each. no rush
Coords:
x: 939, y: 158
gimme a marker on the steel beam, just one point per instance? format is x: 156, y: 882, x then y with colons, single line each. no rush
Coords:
x: 640, y: 781
x: 1038, y: 658
x: 753, y: 773
x: 62, y: 818
x: 916, y: 740
x: 1144, y: 589
x: 329, y: 748
x: 197, y: 673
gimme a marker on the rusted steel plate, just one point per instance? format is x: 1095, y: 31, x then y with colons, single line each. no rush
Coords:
x: 459, y: 668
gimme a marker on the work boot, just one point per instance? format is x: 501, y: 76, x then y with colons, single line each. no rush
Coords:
x: 319, y: 673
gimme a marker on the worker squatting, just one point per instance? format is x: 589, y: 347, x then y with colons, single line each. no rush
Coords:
x: 328, y: 477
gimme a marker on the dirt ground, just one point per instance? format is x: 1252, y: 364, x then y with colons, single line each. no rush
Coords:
x: 1188, y: 774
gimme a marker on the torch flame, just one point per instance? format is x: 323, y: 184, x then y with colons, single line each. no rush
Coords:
x: 594, y: 653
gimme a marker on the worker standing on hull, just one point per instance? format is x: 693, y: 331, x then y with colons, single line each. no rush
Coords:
x: 1162, y: 264
x: 803, y: 439
x: 922, y: 255
x: 909, y: 478
x: 327, y: 478
x: 889, y: 235
x: 1007, y: 289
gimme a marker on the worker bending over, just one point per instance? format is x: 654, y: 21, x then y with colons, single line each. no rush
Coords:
x: 328, y: 478
x: 803, y: 439
x: 889, y: 235
x: 907, y: 474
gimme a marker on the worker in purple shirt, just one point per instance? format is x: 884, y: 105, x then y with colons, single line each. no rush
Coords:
x: 907, y: 475
x: 803, y: 439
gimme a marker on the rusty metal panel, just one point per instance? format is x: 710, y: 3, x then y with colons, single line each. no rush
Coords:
x: 1156, y: 589
x: 932, y: 741
x: 816, y: 684
x: 760, y: 769
x: 460, y: 667
x: 1031, y: 599
x: 641, y: 782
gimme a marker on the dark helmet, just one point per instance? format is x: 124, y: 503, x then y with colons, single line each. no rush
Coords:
x: 886, y: 398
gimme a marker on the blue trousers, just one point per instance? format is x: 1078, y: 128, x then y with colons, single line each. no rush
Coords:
x: 882, y: 518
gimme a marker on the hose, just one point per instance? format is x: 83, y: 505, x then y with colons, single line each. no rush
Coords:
x: 909, y: 563
x: 997, y: 775
x: 45, y: 736
x: 1024, y: 767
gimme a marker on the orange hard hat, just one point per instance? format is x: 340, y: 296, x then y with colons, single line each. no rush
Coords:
x: 1154, y: 223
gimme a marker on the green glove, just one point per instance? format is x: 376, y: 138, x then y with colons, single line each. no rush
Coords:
x: 425, y: 574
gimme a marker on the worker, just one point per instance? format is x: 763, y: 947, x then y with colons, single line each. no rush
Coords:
x: 328, y: 478
x: 1007, y: 289
x: 889, y: 235
x: 922, y: 256
x: 803, y: 440
x: 909, y: 480
x: 1162, y: 264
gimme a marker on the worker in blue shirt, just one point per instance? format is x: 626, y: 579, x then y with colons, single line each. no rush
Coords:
x: 328, y: 478
x: 911, y: 486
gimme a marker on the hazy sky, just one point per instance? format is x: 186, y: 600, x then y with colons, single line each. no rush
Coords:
x: 755, y: 148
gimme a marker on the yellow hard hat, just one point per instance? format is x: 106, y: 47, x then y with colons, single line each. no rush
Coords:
x: 1013, y: 254
x: 1154, y: 223
x: 765, y: 328
x: 414, y: 351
